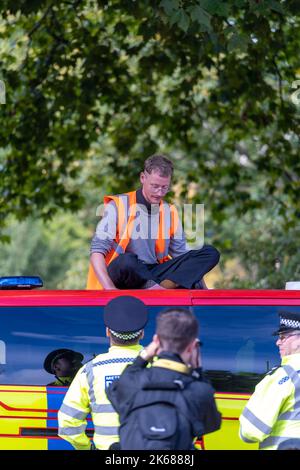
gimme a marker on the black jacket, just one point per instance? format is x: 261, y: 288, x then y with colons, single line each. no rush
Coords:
x: 198, y: 393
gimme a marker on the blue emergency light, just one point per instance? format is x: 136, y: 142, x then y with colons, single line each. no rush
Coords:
x: 20, y: 282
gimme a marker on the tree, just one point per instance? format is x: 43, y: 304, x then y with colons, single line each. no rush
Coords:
x: 56, y: 251
x: 267, y: 256
x: 209, y: 81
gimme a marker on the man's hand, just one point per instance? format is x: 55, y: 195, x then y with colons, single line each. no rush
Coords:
x: 98, y: 263
x: 195, y: 359
x: 150, y: 351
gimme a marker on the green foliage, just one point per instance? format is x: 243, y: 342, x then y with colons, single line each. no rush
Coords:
x: 268, y: 256
x: 95, y: 86
x: 54, y: 251
x: 146, y: 76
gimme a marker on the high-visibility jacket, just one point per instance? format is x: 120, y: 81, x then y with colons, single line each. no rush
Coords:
x: 272, y: 415
x: 126, y: 207
x: 61, y: 382
x: 87, y: 395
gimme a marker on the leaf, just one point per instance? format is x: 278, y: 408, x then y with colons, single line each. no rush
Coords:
x: 200, y: 16
x: 240, y: 3
x: 184, y: 21
x: 237, y: 42
x: 276, y: 6
x: 169, y: 6
x: 175, y: 17
x: 216, y: 7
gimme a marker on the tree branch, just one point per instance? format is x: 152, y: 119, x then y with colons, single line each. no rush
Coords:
x: 279, y: 79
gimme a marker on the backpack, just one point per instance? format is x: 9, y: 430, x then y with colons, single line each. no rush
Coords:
x: 158, y: 418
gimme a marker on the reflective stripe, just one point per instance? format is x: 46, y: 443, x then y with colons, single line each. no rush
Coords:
x: 290, y: 416
x: 256, y: 421
x: 71, y: 431
x: 114, y: 360
x: 293, y: 415
x: 70, y: 411
x: 90, y: 379
x: 123, y: 203
x: 273, y: 441
x: 107, y: 430
x: 174, y: 220
x: 293, y: 374
x: 167, y: 220
x: 163, y: 233
x: 108, y: 408
x: 99, y: 407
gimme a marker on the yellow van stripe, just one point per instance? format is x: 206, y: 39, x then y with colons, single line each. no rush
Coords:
x: 22, y: 407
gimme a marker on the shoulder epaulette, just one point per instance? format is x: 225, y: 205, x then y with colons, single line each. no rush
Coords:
x: 274, y: 369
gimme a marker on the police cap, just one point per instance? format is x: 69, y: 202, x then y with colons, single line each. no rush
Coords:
x: 125, y: 314
x: 288, y: 321
x: 57, y: 354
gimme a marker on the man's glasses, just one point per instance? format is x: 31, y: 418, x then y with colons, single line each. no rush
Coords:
x: 283, y: 337
x: 156, y: 187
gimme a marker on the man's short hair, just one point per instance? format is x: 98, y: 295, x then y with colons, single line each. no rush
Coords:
x: 160, y: 164
x: 176, y: 328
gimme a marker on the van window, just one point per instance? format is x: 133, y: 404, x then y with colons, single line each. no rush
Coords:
x: 29, y: 334
x: 238, y: 344
x: 238, y: 348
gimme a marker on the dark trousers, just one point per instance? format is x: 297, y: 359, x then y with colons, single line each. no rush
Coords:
x: 187, y: 270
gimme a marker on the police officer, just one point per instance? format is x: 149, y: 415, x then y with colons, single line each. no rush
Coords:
x: 64, y: 364
x: 125, y: 318
x: 178, y: 362
x: 272, y: 415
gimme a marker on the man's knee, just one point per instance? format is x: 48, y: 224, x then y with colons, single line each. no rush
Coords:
x: 210, y: 253
x: 213, y: 253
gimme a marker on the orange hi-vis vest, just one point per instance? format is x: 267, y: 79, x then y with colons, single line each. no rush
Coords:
x: 126, y: 207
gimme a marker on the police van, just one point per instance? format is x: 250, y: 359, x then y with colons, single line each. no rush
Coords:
x: 235, y: 327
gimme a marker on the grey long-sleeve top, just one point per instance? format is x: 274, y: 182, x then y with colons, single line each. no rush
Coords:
x: 144, y: 233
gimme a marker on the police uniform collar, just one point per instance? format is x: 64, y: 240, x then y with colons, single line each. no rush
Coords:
x: 131, y: 347
x: 295, y: 358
